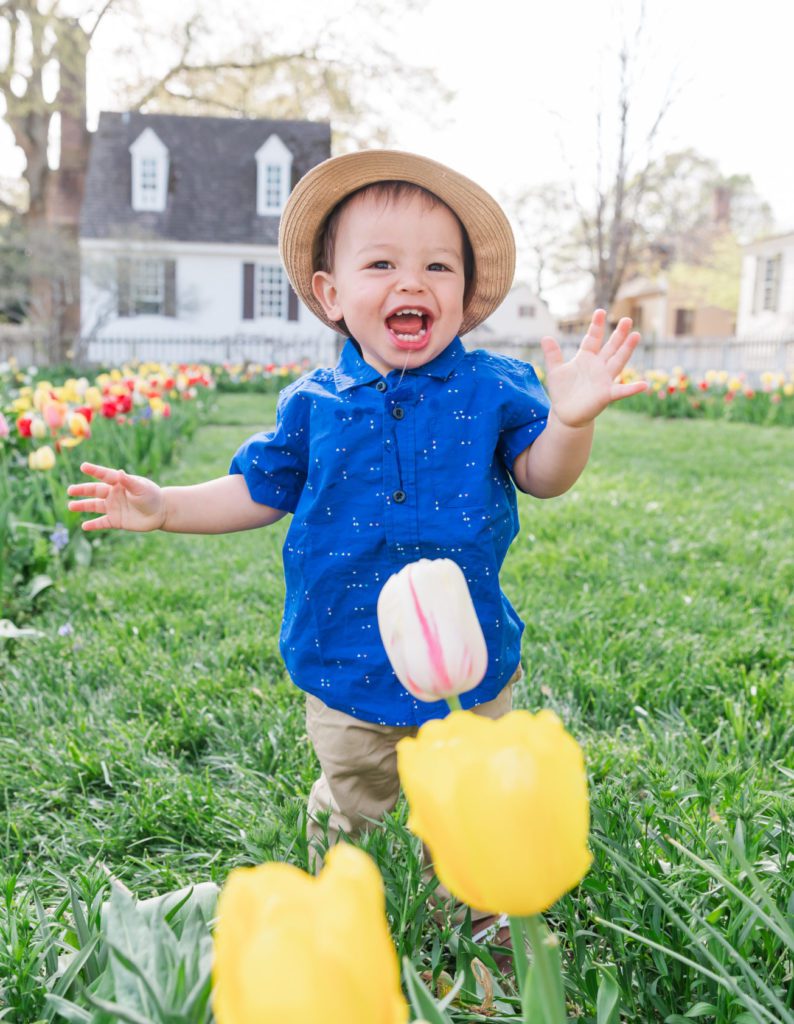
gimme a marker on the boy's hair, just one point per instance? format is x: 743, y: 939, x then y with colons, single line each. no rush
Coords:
x: 389, y: 192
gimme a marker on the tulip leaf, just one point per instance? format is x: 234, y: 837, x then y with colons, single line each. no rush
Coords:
x: 83, y: 552
x: 38, y: 584
x: 421, y: 1000
x: 69, y: 1011
x: 8, y: 631
x: 608, y: 1000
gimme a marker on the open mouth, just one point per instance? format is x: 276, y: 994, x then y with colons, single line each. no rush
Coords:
x: 409, y: 326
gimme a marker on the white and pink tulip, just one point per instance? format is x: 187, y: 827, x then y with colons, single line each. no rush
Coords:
x: 430, y: 630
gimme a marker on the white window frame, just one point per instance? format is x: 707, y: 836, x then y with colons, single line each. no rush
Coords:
x: 271, y: 300
x: 770, y: 294
x: 271, y: 157
x: 147, y: 286
x: 150, y: 168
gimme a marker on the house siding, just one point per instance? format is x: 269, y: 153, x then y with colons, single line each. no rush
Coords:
x: 752, y: 319
x: 207, y: 298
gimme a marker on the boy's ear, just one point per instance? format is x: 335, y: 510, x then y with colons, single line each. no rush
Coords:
x: 325, y: 292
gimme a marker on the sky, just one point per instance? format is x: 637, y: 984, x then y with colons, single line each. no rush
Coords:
x: 528, y: 80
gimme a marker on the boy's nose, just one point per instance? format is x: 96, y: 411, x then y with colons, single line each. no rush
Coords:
x: 411, y: 282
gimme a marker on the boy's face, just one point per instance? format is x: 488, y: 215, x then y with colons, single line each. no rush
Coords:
x: 397, y: 280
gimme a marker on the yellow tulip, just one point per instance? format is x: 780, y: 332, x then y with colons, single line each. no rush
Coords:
x: 78, y: 425
x: 93, y: 397
x: 294, y: 949
x: 38, y: 428
x: 502, y: 806
x: 42, y: 458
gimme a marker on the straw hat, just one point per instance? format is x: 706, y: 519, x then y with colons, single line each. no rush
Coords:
x: 326, y: 185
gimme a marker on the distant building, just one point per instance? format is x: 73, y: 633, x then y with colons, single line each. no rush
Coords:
x: 179, y: 227
x: 766, y: 300
x: 660, y: 310
x: 522, y: 318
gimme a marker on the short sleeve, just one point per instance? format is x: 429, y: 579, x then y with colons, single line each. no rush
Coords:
x: 525, y: 409
x: 274, y: 462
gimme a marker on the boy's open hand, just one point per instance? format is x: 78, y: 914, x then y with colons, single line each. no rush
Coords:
x: 584, y: 386
x: 125, y: 502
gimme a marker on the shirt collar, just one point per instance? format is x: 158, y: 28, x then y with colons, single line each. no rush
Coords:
x: 353, y: 370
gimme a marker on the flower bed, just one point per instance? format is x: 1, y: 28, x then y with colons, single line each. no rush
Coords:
x: 130, y: 417
x: 717, y: 394
x: 259, y: 378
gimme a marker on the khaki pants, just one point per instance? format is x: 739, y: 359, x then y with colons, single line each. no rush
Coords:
x: 358, y: 759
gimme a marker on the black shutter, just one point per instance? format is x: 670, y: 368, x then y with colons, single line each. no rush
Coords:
x: 292, y: 303
x: 123, y: 271
x: 170, y: 288
x: 248, y: 291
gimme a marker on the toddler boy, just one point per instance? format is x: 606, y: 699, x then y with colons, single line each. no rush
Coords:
x: 409, y: 448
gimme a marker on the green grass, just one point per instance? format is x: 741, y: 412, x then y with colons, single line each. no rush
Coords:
x: 162, y: 738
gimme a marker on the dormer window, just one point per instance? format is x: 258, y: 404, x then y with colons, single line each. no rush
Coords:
x: 273, y: 176
x: 149, y: 172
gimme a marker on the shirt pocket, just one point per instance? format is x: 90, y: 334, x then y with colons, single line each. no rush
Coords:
x: 344, y: 481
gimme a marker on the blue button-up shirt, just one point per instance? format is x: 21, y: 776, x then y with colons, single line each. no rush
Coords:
x: 381, y: 471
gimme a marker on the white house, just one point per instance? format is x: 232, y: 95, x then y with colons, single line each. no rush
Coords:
x: 766, y: 298
x: 521, y: 318
x: 178, y: 238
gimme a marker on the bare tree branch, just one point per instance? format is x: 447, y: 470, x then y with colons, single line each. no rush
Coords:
x: 90, y: 32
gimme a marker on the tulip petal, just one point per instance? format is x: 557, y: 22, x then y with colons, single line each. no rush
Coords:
x: 502, y: 806
x: 291, y: 948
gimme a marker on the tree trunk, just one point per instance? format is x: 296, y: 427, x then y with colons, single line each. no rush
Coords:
x: 54, y: 195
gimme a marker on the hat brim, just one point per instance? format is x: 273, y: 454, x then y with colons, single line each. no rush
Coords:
x: 326, y: 185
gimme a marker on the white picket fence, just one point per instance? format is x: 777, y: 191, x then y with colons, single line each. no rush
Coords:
x: 751, y: 356
x: 235, y: 349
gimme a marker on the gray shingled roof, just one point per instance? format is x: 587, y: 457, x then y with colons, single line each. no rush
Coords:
x: 212, y: 180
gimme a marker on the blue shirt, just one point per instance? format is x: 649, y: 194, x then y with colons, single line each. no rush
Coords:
x: 379, y: 472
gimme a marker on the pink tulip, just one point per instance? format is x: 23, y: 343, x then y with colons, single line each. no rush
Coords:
x: 431, y: 631
x: 54, y: 415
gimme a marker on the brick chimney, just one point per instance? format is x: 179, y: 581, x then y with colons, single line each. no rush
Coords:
x: 722, y: 206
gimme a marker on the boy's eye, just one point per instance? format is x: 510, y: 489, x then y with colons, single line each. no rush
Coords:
x: 438, y: 266
x: 380, y: 265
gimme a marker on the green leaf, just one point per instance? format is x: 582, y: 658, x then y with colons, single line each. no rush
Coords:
x: 701, y: 1010
x: 421, y: 1000
x: 69, y: 1011
x: 45, y: 928
x: 83, y: 552
x: 38, y: 584
x: 608, y: 1001
x: 8, y: 631
x: 123, y: 1013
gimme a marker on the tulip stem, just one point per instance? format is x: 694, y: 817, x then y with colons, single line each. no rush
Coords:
x: 454, y: 703
x: 547, y: 970
x: 520, y: 961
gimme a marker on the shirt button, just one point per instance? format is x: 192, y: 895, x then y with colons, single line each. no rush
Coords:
x: 398, y: 412
x: 381, y: 385
x: 399, y: 497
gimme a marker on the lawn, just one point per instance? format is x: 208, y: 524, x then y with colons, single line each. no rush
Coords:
x: 152, y: 732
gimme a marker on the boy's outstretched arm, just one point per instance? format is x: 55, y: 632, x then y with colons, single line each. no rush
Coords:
x: 126, y: 502
x: 579, y: 390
